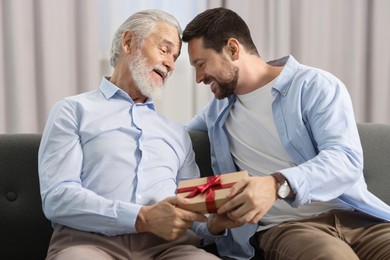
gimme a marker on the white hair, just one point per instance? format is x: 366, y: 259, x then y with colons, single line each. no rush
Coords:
x: 142, y: 24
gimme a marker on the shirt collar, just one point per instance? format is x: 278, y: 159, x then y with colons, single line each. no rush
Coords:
x: 109, y: 90
x: 283, y: 81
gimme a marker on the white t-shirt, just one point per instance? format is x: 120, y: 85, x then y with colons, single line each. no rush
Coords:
x: 256, y: 147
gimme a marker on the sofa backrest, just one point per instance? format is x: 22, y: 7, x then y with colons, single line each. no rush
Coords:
x: 375, y: 139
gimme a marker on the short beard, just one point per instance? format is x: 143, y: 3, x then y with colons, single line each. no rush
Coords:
x: 140, y: 73
x: 226, y: 87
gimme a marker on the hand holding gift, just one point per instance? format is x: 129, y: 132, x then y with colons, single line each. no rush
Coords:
x: 207, y: 194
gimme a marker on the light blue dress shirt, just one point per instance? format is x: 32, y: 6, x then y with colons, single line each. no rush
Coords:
x: 102, y: 157
x: 316, y: 124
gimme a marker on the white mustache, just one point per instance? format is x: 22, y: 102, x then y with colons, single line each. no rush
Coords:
x: 164, y: 70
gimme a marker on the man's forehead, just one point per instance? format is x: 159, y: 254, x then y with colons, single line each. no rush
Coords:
x: 167, y: 33
x: 196, y: 50
x: 196, y: 43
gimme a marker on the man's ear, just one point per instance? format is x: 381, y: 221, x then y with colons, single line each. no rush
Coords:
x: 233, y: 48
x: 127, y: 40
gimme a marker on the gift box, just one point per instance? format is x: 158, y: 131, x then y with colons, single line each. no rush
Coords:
x: 207, y: 194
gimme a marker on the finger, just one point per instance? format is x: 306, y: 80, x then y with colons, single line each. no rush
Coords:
x: 174, y: 234
x: 192, y: 216
x: 242, y: 217
x: 246, y: 213
x: 186, y: 225
x: 182, y: 224
x: 239, y: 212
x: 256, y: 218
x: 231, y: 204
x: 237, y: 188
x: 176, y: 200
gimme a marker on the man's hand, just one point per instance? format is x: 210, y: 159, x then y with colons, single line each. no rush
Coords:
x: 219, y: 222
x: 251, y: 198
x: 165, y: 220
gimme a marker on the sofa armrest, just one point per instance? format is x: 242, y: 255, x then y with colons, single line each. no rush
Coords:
x: 25, y: 232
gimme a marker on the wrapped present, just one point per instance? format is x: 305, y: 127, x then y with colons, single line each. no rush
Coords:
x: 207, y: 194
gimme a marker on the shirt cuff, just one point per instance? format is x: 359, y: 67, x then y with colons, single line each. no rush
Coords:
x: 126, y: 217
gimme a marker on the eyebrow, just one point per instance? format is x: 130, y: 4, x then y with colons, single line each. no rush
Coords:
x: 168, y: 42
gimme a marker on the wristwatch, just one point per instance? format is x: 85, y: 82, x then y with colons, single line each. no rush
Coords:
x: 284, y: 191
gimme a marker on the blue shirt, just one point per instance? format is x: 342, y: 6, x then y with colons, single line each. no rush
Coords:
x: 102, y: 157
x: 315, y: 120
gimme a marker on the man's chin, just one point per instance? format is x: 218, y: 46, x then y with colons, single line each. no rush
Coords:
x: 156, y: 93
x: 219, y: 95
x: 156, y: 97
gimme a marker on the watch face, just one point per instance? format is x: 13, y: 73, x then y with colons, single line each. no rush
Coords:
x: 284, y: 190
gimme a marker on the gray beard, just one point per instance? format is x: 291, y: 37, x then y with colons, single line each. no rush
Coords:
x: 140, y: 74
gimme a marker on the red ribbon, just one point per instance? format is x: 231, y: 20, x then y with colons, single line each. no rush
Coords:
x: 213, y: 183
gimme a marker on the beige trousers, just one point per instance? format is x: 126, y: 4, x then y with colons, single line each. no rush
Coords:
x: 71, y: 244
x: 336, y: 235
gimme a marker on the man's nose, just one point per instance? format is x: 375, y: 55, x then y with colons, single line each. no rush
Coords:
x: 199, y: 76
x: 169, y: 63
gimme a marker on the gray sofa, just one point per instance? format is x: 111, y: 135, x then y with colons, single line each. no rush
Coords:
x: 25, y: 232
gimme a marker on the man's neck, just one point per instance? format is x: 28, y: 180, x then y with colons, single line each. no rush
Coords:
x: 127, y: 84
x: 256, y: 74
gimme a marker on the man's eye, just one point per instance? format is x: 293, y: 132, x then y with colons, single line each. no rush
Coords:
x: 164, y: 51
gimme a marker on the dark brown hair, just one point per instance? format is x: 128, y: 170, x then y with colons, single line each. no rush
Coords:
x: 216, y: 26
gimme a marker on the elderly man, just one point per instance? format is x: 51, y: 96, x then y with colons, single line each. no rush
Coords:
x: 109, y: 164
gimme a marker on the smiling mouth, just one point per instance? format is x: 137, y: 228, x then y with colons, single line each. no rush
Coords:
x: 162, y: 74
x: 213, y: 86
x: 212, y: 83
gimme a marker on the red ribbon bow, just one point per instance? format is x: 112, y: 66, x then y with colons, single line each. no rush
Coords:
x: 213, y: 183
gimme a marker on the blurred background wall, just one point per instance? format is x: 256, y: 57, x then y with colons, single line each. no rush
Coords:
x: 50, y: 49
